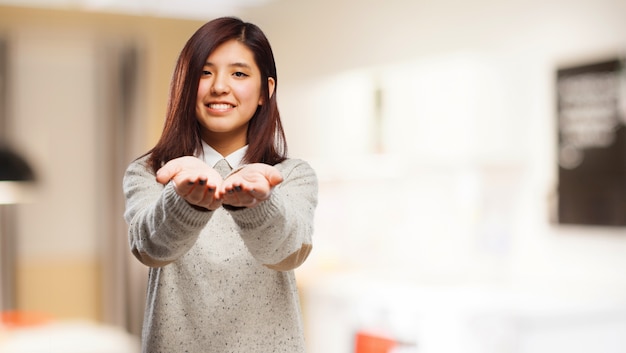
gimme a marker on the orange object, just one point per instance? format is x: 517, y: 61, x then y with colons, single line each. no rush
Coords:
x: 16, y: 319
x: 372, y: 343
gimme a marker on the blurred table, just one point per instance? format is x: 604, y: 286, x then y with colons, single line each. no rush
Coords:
x: 37, y: 334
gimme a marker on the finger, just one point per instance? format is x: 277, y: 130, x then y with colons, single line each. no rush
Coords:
x: 226, y: 187
x: 202, y: 195
x: 215, y: 204
x: 168, y: 171
x: 273, y: 177
x: 230, y: 199
x: 195, y: 195
x: 260, y: 195
x: 244, y: 198
x: 201, y: 181
x: 183, y: 189
x: 234, y: 191
x: 241, y: 200
x: 236, y: 194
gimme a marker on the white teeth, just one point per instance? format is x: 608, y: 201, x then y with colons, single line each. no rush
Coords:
x: 220, y: 106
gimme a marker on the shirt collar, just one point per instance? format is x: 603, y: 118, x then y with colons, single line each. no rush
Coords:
x: 211, y: 156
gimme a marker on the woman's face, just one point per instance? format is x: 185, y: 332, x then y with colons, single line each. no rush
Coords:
x: 229, y: 93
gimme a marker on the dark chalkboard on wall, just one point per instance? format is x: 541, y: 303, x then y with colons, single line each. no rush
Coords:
x: 592, y: 144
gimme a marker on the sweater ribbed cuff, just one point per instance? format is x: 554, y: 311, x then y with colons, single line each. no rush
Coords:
x: 248, y: 218
x: 186, y: 215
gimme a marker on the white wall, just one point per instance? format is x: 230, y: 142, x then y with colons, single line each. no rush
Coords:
x: 468, y: 95
x: 55, y: 118
x: 54, y: 121
x: 462, y: 194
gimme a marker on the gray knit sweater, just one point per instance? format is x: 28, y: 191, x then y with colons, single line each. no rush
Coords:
x: 221, y: 281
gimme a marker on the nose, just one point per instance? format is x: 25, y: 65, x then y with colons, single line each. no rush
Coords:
x: 219, y: 85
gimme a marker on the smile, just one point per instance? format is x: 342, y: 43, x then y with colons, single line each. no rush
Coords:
x: 220, y: 106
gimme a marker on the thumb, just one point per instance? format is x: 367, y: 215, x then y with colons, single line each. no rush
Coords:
x: 167, y: 172
x: 273, y: 176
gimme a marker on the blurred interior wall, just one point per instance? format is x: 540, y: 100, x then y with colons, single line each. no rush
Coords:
x: 469, y: 116
x: 87, y: 96
x: 464, y: 192
x: 119, y: 67
x: 53, y: 95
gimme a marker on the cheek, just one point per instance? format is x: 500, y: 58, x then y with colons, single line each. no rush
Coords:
x: 203, y: 89
x: 250, y: 94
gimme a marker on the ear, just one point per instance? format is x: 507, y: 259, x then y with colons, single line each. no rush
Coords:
x: 271, y: 85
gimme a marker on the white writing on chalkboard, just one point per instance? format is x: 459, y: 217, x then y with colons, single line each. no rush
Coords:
x: 588, y: 114
x: 588, y: 109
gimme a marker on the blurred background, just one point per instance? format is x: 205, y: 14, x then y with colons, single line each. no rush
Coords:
x: 443, y: 133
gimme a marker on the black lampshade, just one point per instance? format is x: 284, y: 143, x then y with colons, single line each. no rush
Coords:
x: 13, y: 167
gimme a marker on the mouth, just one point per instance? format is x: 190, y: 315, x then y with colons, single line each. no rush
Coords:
x: 219, y: 106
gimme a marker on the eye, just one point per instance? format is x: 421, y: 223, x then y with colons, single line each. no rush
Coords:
x: 240, y: 74
x: 206, y: 73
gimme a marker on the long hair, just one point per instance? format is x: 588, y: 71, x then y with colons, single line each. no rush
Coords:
x: 181, y: 132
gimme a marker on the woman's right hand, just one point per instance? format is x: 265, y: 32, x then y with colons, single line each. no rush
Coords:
x: 193, y: 180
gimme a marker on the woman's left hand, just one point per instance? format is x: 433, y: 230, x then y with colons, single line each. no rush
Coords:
x: 250, y: 185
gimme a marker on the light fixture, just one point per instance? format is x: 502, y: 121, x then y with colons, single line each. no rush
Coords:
x: 16, y: 177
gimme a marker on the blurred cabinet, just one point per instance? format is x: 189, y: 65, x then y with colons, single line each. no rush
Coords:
x: 457, y: 319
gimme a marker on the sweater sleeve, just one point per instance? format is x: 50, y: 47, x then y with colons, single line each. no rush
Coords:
x: 278, y: 232
x: 162, y: 225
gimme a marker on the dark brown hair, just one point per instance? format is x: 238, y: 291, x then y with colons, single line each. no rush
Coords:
x: 181, y: 132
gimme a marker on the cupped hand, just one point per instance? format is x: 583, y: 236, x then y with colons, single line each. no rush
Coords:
x: 193, y: 180
x: 250, y: 185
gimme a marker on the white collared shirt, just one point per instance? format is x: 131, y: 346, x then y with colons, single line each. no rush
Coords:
x: 211, y: 156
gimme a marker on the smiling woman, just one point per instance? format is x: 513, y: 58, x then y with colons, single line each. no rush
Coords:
x: 216, y: 210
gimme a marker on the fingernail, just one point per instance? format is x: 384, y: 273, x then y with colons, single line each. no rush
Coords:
x: 190, y: 182
x: 201, y: 181
x: 237, y: 188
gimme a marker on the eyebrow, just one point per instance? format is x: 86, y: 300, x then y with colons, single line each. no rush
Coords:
x: 235, y: 64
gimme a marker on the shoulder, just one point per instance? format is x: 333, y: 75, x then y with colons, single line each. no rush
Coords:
x: 138, y: 171
x: 294, y: 165
x: 139, y: 165
x: 298, y: 173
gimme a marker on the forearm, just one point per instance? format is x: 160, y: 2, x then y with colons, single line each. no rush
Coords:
x: 278, y: 232
x: 162, y: 225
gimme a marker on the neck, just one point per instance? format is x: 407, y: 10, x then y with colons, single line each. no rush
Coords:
x: 225, y: 146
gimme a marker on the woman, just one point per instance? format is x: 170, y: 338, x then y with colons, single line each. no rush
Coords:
x: 216, y: 209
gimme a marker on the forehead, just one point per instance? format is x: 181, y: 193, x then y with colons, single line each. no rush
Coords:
x: 231, y: 52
